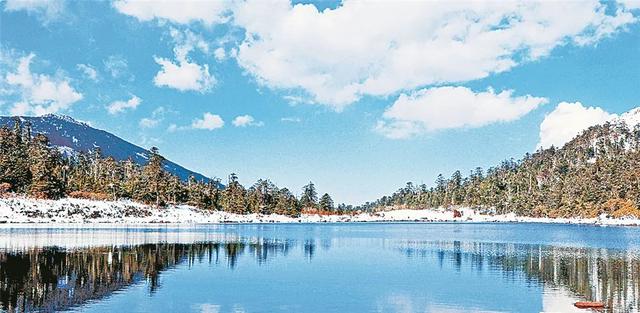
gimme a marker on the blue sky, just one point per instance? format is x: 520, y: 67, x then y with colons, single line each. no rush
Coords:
x: 357, y: 97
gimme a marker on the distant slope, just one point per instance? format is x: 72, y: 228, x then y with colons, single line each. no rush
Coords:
x: 597, y: 172
x: 72, y: 136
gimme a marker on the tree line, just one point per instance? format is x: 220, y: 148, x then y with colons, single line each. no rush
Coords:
x: 598, y: 172
x: 30, y: 165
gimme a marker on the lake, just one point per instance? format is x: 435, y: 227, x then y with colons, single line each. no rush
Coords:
x: 401, y: 267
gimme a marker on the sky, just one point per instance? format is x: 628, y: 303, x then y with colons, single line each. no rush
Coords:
x: 359, y: 97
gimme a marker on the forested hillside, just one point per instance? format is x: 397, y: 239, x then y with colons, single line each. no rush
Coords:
x: 29, y: 165
x: 598, y: 172
x: 71, y: 136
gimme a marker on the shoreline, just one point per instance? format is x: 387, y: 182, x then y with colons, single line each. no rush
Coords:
x: 22, y: 212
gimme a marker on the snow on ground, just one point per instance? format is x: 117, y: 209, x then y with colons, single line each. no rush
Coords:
x: 71, y: 210
x: 16, y: 211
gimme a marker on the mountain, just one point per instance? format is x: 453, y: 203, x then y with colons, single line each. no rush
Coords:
x: 71, y: 136
x: 596, y: 173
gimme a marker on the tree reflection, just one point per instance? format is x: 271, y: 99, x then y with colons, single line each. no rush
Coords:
x: 309, y: 248
x: 608, y: 276
x: 53, y: 279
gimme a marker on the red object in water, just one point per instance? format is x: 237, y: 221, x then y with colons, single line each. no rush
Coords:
x: 589, y: 305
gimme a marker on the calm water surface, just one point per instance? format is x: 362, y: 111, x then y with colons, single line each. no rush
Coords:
x: 320, y: 268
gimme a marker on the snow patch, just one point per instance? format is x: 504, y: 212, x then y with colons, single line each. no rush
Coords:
x: 20, y: 210
x: 66, y: 152
x: 142, y: 155
x: 65, y: 118
x: 631, y: 118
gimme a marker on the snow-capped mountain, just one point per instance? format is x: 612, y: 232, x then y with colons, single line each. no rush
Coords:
x: 71, y: 136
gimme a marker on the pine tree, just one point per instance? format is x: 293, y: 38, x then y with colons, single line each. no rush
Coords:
x: 14, y: 160
x: 154, y: 176
x: 215, y: 194
x: 176, y: 193
x: 326, y: 203
x: 132, y: 179
x: 455, y: 187
x: 309, y: 198
x: 261, y: 198
x: 44, y: 163
x: 234, y: 199
x: 286, y: 203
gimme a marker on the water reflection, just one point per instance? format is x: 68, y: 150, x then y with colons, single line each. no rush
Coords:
x: 603, y: 275
x: 51, y: 278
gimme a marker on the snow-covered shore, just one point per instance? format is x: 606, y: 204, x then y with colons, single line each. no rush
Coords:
x: 27, y: 212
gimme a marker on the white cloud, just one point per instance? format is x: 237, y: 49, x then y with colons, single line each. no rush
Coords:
x: 88, y: 71
x: 567, y: 120
x: 47, y: 11
x: 364, y: 48
x: 452, y: 107
x: 118, y: 67
x: 20, y: 108
x: 208, y: 121
x: 120, y: 106
x: 291, y: 119
x: 245, y: 120
x: 39, y: 93
x: 399, y: 129
x: 219, y: 54
x: 185, y: 75
x: 297, y: 99
x: 148, y: 122
x: 182, y: 12
x: 149, y: 141
x: 156, y: 117
x: 172, y: 128
x: 630, y: 4
x: 188, y: 41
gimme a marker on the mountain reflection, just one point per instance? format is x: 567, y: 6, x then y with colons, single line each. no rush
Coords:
x: 53, y: 279
x: 603, y: 275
